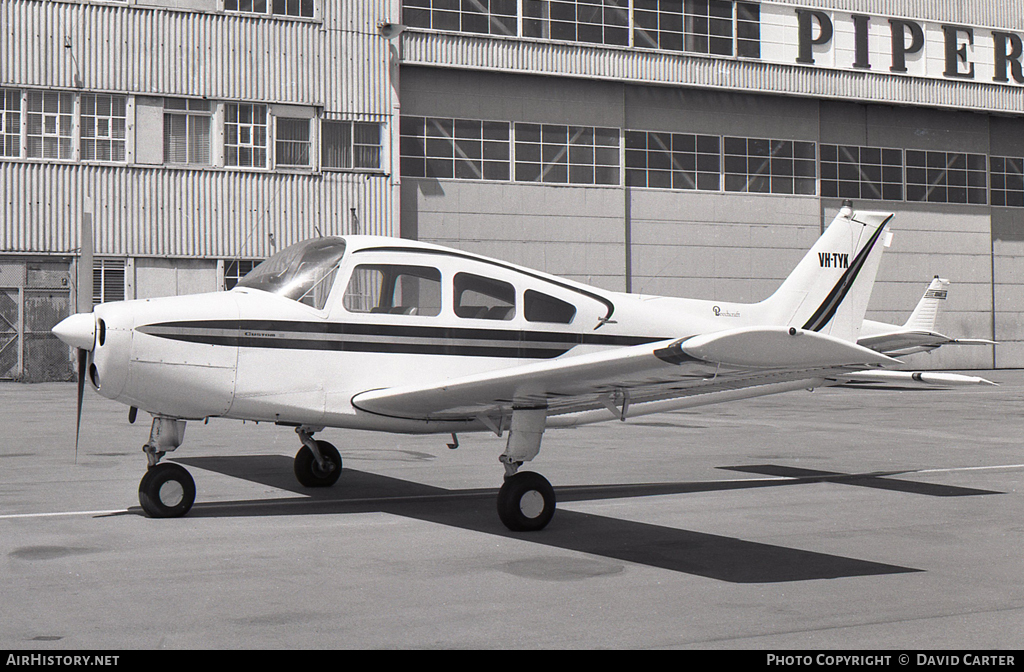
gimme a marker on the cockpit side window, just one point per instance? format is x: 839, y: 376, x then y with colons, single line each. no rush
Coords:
x: 303, y: 272
x: 539, y: 307
x: 395, y: 289
x: 484, y: 298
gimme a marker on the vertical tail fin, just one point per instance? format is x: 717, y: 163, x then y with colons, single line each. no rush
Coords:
x: 829, y: 289
x: 927, y: 310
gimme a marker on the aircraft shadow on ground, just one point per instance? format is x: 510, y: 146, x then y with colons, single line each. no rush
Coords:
x: 708, y: 555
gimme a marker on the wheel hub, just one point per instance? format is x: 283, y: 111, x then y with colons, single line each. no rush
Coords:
x: 531, y: 504
x: 171, y: 493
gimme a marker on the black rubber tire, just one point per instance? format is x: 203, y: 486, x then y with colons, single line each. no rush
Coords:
x: 526, y: 502
x: 309, y: 472
x: 167, y: 491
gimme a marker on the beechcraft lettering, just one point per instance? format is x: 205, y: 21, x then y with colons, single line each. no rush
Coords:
x: 370, y: 333
x: 834, y: 259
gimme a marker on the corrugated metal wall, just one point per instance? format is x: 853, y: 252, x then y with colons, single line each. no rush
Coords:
x: 153, y: 212
x: 338, y: 62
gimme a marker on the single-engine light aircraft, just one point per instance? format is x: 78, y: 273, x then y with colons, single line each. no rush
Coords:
x: 394, y: 335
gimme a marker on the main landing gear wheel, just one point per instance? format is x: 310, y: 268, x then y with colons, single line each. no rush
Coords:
x: 167, y: 491
x: 310, y: 473
x: 526, y: 502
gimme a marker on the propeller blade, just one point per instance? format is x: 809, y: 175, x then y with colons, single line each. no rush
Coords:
x: 83, y: 359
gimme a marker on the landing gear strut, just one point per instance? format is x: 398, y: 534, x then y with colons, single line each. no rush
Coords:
x: 318, y: 463
x: 167, y: 490
x: 526, y: 501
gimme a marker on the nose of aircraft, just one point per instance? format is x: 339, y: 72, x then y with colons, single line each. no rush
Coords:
x: 78, y: 331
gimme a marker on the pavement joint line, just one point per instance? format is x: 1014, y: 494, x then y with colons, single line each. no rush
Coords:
x: 11, y: 516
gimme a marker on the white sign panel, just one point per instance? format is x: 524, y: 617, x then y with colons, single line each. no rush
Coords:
x: 890, y: 45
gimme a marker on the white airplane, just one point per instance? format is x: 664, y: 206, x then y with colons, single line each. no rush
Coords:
x: 918, y: 333
x: 378, y: 333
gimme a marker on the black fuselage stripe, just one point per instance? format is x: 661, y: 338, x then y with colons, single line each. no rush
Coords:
x: 389, y: 339
x: 362, y: 346
x: 256, y: 327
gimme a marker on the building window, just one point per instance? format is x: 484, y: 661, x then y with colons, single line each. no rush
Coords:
x: 698, y: 26
x: 592, y: 21
x: 748, y: 30
x: 236, y: 269
x: 757, y: 165
x: 348, y: 144
x: 673, y: 160
x: 245, y: 135
x: 861, y: 172
x: 299, y: 8
x: 50, y: 117
x: 10, y: 123
x: 103, y: 124
x: 186, y: 131
x: 488, y: 17
x: 566, y: 154
x: 455, y: 148
x: 292, y: 142
x: 1007, y: 181
x: 107, y: 280
x: 945, y: 177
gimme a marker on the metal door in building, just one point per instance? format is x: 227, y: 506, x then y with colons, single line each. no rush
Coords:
x: 35, y: 294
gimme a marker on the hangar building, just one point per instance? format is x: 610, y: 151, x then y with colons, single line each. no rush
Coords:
x: 681, y: 147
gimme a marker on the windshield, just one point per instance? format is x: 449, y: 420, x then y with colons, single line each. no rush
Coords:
x: 303, y: 272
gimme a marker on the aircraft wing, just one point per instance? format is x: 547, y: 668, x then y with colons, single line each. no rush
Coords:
x: 729, y: 360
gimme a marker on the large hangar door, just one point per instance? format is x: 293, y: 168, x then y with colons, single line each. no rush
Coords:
x: 35, y: 295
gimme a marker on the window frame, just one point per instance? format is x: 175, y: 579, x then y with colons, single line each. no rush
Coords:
x: 1008, y: 195
x: 251, y: 128
x: 555, y: 153
x: 122, y: 142
x: 268, y: 9
x: 346, y: 129
x: 191, y: 115
x: 836, y: 175
x: 61, y: 138
x: 455, y: 148
x: 932, y: 178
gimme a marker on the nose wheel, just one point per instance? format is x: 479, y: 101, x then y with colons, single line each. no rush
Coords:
x: 167, y: 491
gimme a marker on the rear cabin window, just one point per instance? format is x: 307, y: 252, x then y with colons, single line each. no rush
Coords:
x: 538, y: 307
x: 394, y: 289
x: 484, y: 298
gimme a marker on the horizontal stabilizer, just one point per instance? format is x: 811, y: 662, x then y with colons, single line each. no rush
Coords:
x: 911, y: 377
x: 905, y: 341
x: 780, y: 347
